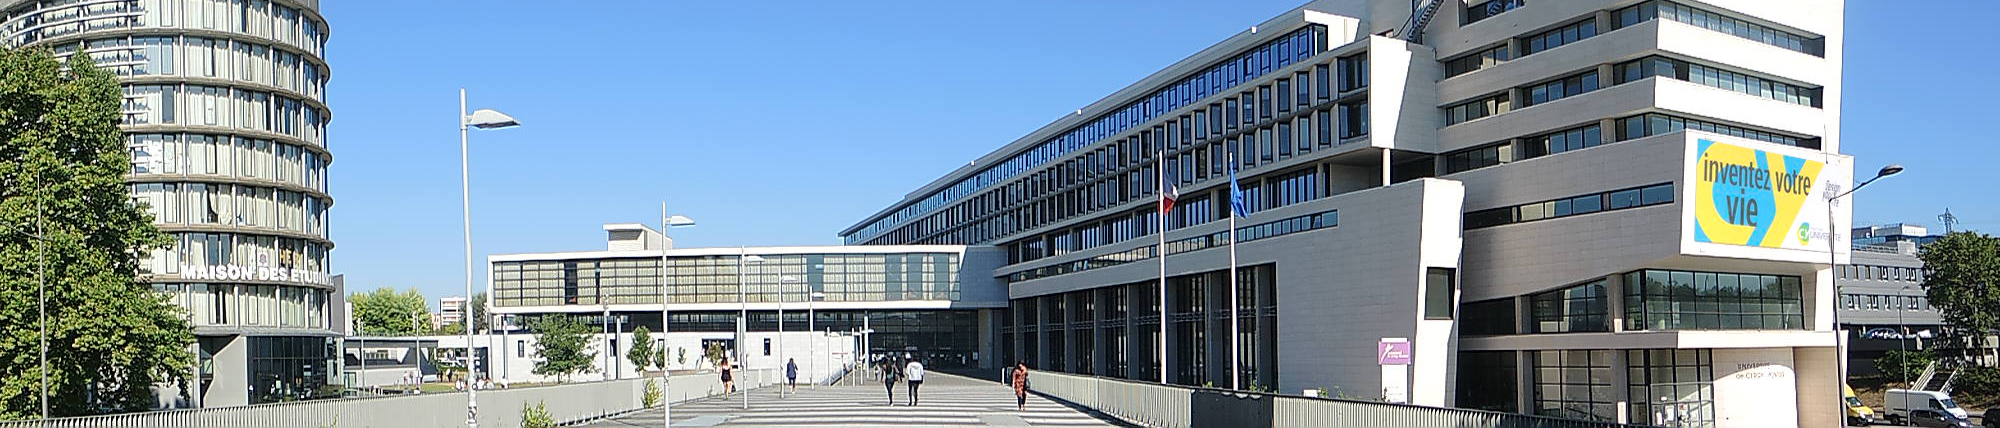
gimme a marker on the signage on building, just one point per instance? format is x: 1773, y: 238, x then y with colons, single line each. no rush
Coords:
x: 1757, y: 198
x: 253, y: 273
x: 1392, y: 350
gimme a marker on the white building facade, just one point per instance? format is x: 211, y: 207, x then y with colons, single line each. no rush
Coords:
x: 1610, y: 210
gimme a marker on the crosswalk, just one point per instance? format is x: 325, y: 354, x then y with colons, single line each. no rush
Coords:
x: 945, y: 401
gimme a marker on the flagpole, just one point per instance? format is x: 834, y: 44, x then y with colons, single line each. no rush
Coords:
x: 1161, y: 160
x: 1235, y: 335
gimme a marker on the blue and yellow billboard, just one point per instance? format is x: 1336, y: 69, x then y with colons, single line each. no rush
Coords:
x: 1750, y: 197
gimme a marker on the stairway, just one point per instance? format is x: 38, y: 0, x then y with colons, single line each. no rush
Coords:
x: 1413, y: 31
x: 1940, y: 381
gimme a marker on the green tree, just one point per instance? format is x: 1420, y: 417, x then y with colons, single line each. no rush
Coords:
x: 562, y: 343
x: 641, y: 353
x: 1900, y: 365
x: 387, y: 311
x: 481, y: 321
x: 1962, y: 279
x: 67, y: 213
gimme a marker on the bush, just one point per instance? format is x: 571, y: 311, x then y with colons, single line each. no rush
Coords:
x: 536, y: 416
x: 1900, y: 365
x: 651, y: 397
x: 1978, y: 380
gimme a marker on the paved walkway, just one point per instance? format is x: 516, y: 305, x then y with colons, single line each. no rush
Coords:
x: 946, y: 401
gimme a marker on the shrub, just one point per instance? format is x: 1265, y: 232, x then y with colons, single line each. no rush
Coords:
x: 1904, y: 364
x: 1978, y: 380
x: 536, y: 416
x: 651, y: 397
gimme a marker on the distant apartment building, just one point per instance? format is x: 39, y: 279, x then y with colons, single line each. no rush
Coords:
x: 451, y: 310
x: 1883, y: 303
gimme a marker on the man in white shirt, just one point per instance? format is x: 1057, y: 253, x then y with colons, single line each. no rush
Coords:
x: 915, y: 372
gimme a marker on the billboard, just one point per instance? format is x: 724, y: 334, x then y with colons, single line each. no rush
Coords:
x: 1759, y: 198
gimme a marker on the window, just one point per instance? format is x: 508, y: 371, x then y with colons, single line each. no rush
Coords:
x: 1560, y: 88
x: 1478, y: 108
x: 1478, y: 157
x: 1440, y: 290
x: 1656, y: 124
x: 1353, y: 119
x: 1608, y: 201
x: 1663, y: 300
x: 1671, y: 383
x: 1479, y: 11
x: 1574, y: 384
x: 1353, y: 72
x: 1560, y: 36
x: 1474, y: 61
x: 1488, y: 317
x: 1577, y: 138
x: 1718, y: 78
x: 1633, y: 15
x: 1574, y: 309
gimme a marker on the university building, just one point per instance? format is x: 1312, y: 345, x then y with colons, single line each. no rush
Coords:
x: 1596, y: 209
x: 225, y: 111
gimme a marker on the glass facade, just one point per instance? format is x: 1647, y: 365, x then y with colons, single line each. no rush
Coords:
x: 1112, y: 330
x: 292, y: 368
x: 1574, y: 384
x: 1575, y: 309
x: 1702, y: 18
x: 1683, y: 300
x: 1671, y: 387
x: 715, y: 279
x: 1636, y: 197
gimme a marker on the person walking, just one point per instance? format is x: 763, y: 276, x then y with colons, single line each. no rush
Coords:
x: 728, y: 381
x: 915, y: 371
x: 792, y: 374
x: 1020, y: 382
x: 889, y: 374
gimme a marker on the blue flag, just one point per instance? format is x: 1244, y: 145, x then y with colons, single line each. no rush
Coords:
x: 1235, y: 194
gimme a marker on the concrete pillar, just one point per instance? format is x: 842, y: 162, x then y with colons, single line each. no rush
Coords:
x: 1603, y: 19
x: 231, y: 385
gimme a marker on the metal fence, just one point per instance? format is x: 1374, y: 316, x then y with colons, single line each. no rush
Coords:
x: 497, y: 407
x: 1167, y: 406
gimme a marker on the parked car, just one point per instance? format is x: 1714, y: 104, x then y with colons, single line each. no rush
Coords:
x: 1898, y: 404
x: 1933, y: 418
x: 1992, y: 418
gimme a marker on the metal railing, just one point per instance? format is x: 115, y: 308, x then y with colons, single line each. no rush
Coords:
x: 567, y: 404
x: 1168, y: 406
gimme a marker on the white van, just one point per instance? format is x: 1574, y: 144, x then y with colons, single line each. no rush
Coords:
x: 1897, y: 404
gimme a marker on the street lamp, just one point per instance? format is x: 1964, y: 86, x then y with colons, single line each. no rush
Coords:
x: 1833, y: 262
x: 40, y: 235
x: 810, y: 316
x: 743, y: 318
x: 482, y: 119
x: 1903, y: 330
x: 666, y: 376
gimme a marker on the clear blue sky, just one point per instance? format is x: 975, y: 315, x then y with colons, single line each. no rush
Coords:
x: 781, y: 123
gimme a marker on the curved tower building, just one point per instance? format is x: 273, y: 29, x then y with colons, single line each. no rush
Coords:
x: 225, y: 110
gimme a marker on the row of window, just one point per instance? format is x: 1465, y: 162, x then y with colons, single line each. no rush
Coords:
x: 1276, y: 54
x: 40, y: 20
x: 219, y: 249
x: 244, y: 305
x: 1884, y: 302
x: 1661, y: 300
x: 1478, y: 108
x: 1882, y: 273
x: 1477, y: 60
x: 204, y: 57
x: 1635, y: 14
x: 198, y: 105
x: 232, y: 205
x: 715, y: 279
x: 1608, y: 201
x: 1487, y: 9
x: 1243, y: 234
x: 216, y: 155
x: 1582, y: 308
x: 1651, y: 124
x: 1260, y: 194
x: 1557, y: 89
x: 1559, y: 36
x: 1715, y: 77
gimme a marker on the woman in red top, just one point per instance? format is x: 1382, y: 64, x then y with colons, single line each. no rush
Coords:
x: 1020, y: 386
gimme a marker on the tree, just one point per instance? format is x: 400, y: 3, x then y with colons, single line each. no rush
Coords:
x: 562, y: 343
x: 386, y: 311
x: 641, y: 353
x: 67, y: 214
x: 1962, y: 279
x: 482, y: 322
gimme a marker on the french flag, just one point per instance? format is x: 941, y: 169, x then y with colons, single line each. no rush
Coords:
x: 1167, y: 196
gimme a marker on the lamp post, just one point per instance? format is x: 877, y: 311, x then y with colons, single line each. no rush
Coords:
x: 482, y: 119
x: 1833, y: 262
x: 811, y: 297
x: 666, y: 376
x: 1903, y: 328
x: 743, y: 317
